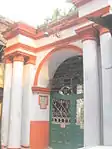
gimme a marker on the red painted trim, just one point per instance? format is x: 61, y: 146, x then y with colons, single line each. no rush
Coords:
x: 82, y: 30
x: 10, y: 52
x: 88, y: 38
x: 100, y: 12
x: 103, y: 30
x: 8, y: 60
x: 87, y: 33
x: 15, y: 53
x: 26, y: 30
x: 31, y: 60
x: 40, y: 89
x: 70, y: 47
x: 79, y: 3
x: 17, y: 28
x: 20, y: 45
x: 19, y: 58
x: 39, y: 134
x: 45, y: 47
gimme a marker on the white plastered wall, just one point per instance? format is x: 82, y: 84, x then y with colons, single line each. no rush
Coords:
x: 63, y: 35
x: 43, y: 41
x: 36, y: 113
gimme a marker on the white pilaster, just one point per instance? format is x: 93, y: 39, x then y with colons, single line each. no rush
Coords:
x: 91, y: 91
x: 26, y: 104
x: 106, y: 56
x: 16, y: 103
x: 6, y: 103
x: 40, y: 118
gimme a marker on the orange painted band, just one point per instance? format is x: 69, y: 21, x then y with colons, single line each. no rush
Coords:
x: 18, y: 61
x: 31, y: 60
x: 41, y: 48
x: 87, y: 32
x: 20, y: 45
x: 89, y: 38
x: 18, y: 58
x: 40, y: 89
x: 16, y: 53
x: 103, y: 31
x: 8, y: 61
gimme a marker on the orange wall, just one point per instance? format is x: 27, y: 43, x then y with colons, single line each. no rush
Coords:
x: 39, y: 135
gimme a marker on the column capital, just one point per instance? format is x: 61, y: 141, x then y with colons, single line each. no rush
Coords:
x: 8, y: 60
x: 103, y: 30
x: 18, y: 58
x: 87, y: 33
x: 31, y: 60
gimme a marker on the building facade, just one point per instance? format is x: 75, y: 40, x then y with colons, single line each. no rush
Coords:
x: 40, y: 114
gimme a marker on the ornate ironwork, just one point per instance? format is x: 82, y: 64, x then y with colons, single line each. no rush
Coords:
x: 60, y: 111
x: 66, y: 90
x: 69, y: 73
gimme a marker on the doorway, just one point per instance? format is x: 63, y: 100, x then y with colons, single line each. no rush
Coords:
x: 67, y: 106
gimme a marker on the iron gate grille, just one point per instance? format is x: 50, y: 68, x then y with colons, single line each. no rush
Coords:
x: 61, y: 111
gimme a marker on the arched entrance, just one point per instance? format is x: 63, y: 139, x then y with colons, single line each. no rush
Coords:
x: 45, y: 74
x: 66, y: 110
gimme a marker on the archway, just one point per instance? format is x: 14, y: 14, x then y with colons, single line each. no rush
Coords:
x: 52, y: 61
x: 47, y: 69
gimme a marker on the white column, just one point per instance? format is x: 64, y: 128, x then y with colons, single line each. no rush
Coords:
x: 26, y: 104
x: 6, y: 103
x: 91, y: 90
x: 106, y: 56
x: 16, y: 103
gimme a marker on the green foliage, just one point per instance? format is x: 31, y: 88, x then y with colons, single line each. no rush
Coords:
x: 57, y: 15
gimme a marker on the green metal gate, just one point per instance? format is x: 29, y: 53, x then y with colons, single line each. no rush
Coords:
x: 65, y: 132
